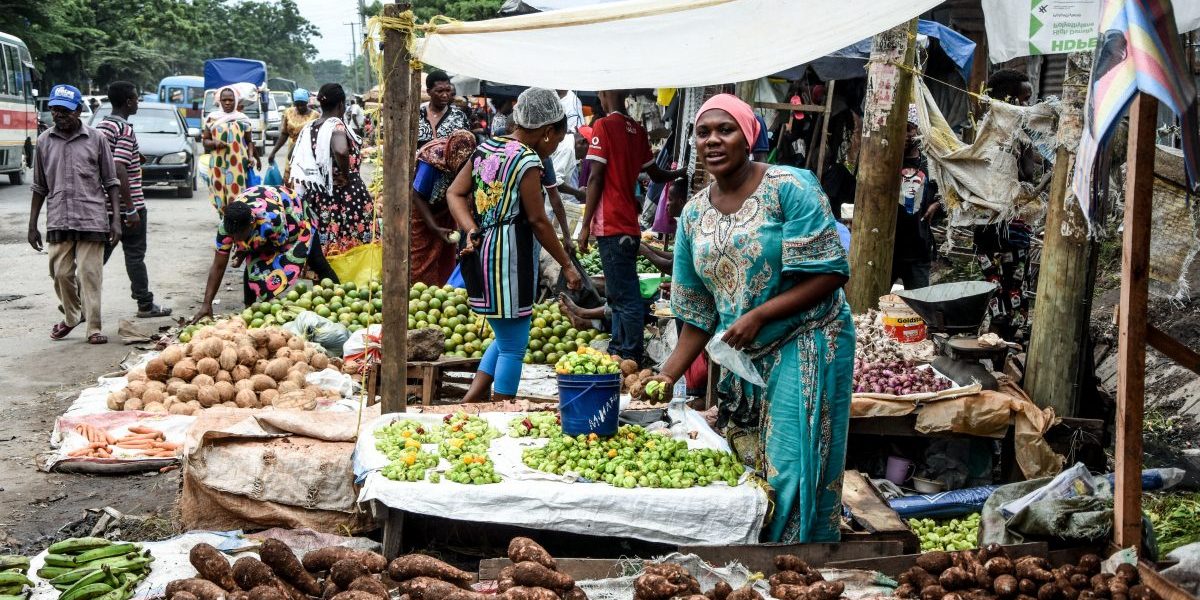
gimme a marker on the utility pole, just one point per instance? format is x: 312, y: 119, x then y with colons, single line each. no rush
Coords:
x: 1055, y: 369
x: 362, y: 26
x: 885, y: 119
x: 399, y: 124
x: 354, y: 55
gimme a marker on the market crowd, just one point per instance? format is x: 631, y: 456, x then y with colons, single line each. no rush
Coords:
x: 757, y: 260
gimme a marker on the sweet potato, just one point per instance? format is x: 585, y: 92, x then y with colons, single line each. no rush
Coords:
x: 955, y: 578
x: 504, y: 580
x: 532, y: 574
x: 998, y: 566
x: 1142, y: 592
x: 528, y: 593
x: 418, y: 565
x: 1087, y: 595
x: 283, y: 562
x: 319, y: 561
x: 370, y: 585
x: 267, y: 592
x: 649, y: 586
x: 1080, y: 581
x: 991, y: 551
x: 426, y: 588
x: 202, y: 589
x: 1117, y: 586
x: 935, y: 562
x: 919, y: 578
x: 1027, y: 587
x: 212, y: 565
x: 744, y: 593
x: 355, y: 595
x: 1005, y: 586
x: 329, y: 589
x: 905, y: 590
x: 239, y: 595
x: 720, y: 591
x: 184, y: 596
x: 791, y: 562
x: 1035, y: 568
x: 1049, y: 591
x: 953, y: 596
x: 826, y: 590
x: 469, y: 595
x: 788, y: 591
x: 249, y: 573
x: 345, y: 571
x: 522, y: 549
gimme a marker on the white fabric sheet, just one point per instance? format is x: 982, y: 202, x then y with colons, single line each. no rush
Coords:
x: 716, y: 514
x: 659, y: 43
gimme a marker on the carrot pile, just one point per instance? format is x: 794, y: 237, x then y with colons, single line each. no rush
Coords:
x: 143, y: 440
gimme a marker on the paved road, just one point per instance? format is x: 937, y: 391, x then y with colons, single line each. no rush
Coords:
x: 39, y: 377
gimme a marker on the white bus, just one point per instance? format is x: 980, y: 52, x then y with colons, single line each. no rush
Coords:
x: 18, y: 110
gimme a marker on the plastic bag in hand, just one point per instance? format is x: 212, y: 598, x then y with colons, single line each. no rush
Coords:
x: 736, y: 361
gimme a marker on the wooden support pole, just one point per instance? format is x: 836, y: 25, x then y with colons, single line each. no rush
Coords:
x: 885, y: 119
x: 820, y: 171
x: 399, y: 132
x: 1131, y: 321
x: 1058, y: 342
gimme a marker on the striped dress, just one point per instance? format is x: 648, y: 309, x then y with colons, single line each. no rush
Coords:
x: 501, y: 275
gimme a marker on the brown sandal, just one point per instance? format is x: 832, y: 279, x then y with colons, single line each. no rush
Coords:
x: 97, y: 339
x: 62, y: 330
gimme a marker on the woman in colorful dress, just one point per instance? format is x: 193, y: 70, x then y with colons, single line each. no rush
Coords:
x: 228, y: 138
x: 759, y: 263
x: 269, y: 230
x: 293, y: 119
x: 431, y: 253
x: 499, y: 201
x: 325, y: 165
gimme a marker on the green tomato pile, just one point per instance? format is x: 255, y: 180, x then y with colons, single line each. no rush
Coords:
x: 634, y: 457
x: 951, y: 536
x: 346, y: 303
x: 588, y: 361
x: 410, y: 465
x: 458, y: 436
x: 446, y: 307
x: 551, y: 335
x: 536, y: 425
x: 473, y: 469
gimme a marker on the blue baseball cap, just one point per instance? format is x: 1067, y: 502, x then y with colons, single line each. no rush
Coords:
x: 300, y: 95
x: 66, y: 96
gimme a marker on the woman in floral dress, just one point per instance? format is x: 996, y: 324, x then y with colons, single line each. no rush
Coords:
x: 759, y: 263
x: 227, y: 137
x: 497, y: 198
x: 325, y: 164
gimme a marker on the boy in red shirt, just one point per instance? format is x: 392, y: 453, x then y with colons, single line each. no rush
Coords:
x: 619, y: 151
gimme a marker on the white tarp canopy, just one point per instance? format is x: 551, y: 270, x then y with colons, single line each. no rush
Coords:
x: 659, y: 43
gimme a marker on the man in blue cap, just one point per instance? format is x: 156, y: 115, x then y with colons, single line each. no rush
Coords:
x: 291, y: 122
x: 74, y: 177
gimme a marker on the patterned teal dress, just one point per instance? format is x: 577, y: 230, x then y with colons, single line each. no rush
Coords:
x: 794, y: 431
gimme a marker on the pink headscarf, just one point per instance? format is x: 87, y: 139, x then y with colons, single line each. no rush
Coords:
x: 740, y: 111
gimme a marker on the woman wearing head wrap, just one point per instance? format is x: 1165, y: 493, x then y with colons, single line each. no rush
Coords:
x: 325, y: 165
x: 227, y: 137
x: 269, y: 229
x: 432, y: 255
x: 498, y: 201
x: 759, y: 264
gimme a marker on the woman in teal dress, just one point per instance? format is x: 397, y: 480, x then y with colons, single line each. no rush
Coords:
x: 758, y: 262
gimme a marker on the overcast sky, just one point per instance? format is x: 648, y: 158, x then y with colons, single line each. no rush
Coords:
x: 330, y: 17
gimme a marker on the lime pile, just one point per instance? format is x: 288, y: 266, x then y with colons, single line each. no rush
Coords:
x: 950, y: 536
x: 633, y: 458
x: 467, y: 334
x: 551, y: 335
x: 346, y: 303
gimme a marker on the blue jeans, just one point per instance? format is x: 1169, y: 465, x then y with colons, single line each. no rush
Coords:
x: 505, y: 358
x: 618, y: 256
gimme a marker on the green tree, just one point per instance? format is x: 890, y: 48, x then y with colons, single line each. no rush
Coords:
x: 462, y: 10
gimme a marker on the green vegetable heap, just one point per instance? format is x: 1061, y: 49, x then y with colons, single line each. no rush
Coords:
x: 95, y: 568
x: 476, y: 469
x: 634, y: 458
x: 536, y: 425
x: 458, y: 436
x: 951, y: 536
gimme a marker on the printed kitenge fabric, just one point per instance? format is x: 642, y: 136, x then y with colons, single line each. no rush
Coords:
x: 726, y: 265
x: 278, y: 248
x: 501, y: 275
x: 228, y: 166
x: 344, y: 213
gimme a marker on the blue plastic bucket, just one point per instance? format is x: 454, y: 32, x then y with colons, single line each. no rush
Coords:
x: 589, y: 403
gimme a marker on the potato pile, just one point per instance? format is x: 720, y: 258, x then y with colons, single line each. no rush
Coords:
x: 990, y: 574
x: 328, y: 573
x: 227, y: 365
x: 795, y: 580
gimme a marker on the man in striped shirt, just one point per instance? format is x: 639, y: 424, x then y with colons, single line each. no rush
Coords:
x: 123, y: 98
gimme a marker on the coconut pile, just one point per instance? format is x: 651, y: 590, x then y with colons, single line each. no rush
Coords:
x: 228, y: 365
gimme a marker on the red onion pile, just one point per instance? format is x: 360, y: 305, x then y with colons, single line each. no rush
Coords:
x: 898, y: 378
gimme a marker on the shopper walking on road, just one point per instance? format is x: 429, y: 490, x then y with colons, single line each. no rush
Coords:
x: 74, y: 177
x: 228, y: 137
x: 293, y: 119
x: 619, y: 151
x: 127, y: 160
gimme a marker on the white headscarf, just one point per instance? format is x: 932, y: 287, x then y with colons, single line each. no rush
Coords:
x: 220, y: 116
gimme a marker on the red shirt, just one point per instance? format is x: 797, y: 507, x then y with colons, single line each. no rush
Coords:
x: 620, y: 143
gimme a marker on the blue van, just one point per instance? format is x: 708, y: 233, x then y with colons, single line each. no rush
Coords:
x: 186, y: 94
